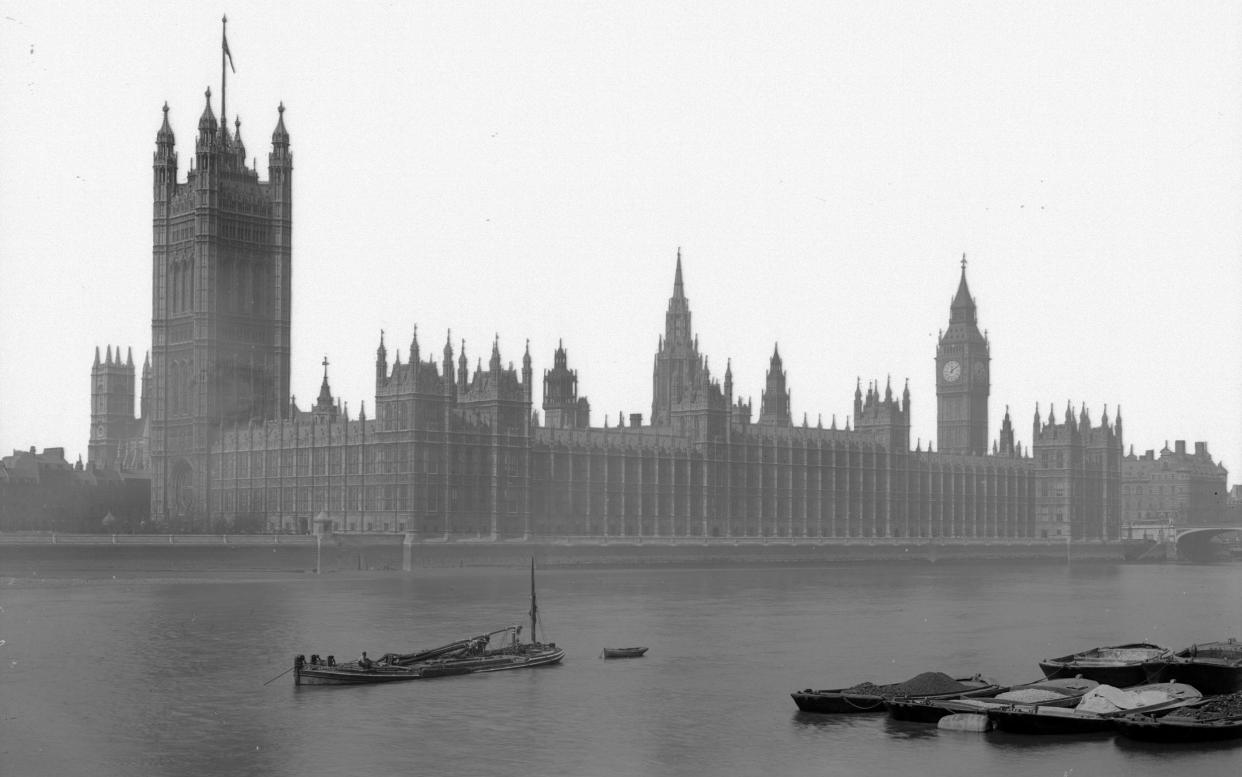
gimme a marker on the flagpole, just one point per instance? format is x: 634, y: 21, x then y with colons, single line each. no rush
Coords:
x: 224, y: 43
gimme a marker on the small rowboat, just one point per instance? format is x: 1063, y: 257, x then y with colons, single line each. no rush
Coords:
x: 625, y: 652
x: 1062, y: 692
x: 1210, y: 720
x: 850, y: 701
x: 1212, y: 667
x: 1120, y: 665
x: 1032, y: 719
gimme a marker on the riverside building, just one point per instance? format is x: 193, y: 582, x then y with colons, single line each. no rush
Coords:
x: 460, y: 453
x: 1172, y: 490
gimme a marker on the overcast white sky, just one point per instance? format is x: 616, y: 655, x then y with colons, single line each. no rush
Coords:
x: 530, y: 169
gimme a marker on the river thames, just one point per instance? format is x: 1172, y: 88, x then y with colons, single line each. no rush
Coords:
x: 163, y: 673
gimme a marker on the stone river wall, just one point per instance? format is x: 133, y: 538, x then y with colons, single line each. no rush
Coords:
x: 44, y: 555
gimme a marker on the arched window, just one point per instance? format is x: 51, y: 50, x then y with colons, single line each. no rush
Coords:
x: 183, y: 391
x: 188, y: 300
x: 173, y: 389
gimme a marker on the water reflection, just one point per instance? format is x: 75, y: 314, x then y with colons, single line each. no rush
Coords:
x: 828, y: 722
x: 906, y: 729
x: 1009, y: 741
x: 1175, y: 750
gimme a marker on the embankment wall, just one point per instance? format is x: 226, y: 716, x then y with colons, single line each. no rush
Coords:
x: 27, y: 556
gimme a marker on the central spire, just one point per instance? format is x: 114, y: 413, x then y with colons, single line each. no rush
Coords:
x: 680, y: 371
x: 677, y: 330
x: 679, y: 289
x: 962, y: 309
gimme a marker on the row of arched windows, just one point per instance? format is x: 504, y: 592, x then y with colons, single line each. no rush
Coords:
x: 243, y: 286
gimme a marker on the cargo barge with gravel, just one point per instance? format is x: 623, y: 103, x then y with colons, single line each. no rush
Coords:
x: 869, y: 697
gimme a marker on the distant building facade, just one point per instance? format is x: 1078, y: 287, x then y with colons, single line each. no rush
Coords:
x: 1175, y: 489
x: 460, y: 453
x: 451, y: 451
x: 118, y: 438
x: 1233, y: 506
x: 44, y: 492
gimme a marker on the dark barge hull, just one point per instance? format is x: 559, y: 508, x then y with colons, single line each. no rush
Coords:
x: 1118, y: 673
x: 1214, y: 668
x: 1211, y: 679
x: 1116, y: 676
x: 544, y: 658
x: 322, y: 675
x: 840, y: 702
x: 1016, y: 721
x: 351, y: 674
x: 917, y: 710
x: 1147, y: 729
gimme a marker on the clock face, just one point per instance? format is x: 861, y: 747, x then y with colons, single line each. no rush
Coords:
x: 978, y: 371
x: 952, y: 371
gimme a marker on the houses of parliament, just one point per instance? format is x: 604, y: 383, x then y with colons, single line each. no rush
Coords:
x: 459, y: 453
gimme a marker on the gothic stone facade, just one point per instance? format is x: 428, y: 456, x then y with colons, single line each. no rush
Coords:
x: 457, y: 453
x: 118, y: 438
x: 461, y: 453
x: 222, y: 299
x: 1078, y: 476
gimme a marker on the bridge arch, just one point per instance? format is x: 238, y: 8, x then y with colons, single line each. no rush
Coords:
x: 1195, y: 543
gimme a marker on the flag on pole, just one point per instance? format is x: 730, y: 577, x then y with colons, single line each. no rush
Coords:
x: 228, y: 53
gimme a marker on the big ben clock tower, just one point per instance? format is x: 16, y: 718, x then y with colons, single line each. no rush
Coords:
x: 962, y: 378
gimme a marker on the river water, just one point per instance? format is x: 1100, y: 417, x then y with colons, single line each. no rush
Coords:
x: 165, y: 676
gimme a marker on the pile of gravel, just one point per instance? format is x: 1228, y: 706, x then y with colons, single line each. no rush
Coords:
x: 1225, y: 706
x: 925, y: 684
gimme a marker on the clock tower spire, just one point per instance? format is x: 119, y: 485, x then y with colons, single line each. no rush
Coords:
x: 963, y: 378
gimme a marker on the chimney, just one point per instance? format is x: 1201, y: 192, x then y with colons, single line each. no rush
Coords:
x: 636, y: 419
x: 1201, y: 449
x: 1179, y: 447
